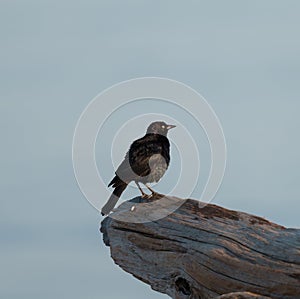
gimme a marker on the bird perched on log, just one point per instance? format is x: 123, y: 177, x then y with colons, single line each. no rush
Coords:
x: 146, y: 162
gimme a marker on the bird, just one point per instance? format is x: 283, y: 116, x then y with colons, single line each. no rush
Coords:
x: 145, y: 162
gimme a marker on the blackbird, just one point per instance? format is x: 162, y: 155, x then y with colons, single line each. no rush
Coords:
x: 146, y: 162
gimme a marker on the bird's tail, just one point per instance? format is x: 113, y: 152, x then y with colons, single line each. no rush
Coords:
x: 112, y: 201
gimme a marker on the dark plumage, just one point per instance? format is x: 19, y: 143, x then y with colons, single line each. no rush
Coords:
x: 146, y: 162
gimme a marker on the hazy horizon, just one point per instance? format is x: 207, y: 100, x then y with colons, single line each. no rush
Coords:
x: 243, y: 57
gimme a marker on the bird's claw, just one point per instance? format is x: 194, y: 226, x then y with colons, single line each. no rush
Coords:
x: 157, y: 195
x: 152, y: 195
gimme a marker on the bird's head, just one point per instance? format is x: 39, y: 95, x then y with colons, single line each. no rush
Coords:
x: 159, y: 127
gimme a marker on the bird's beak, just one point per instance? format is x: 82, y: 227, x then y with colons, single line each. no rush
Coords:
x: 169, y: 127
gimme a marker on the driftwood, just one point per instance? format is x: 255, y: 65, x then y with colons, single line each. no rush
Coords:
x: 207, y: 252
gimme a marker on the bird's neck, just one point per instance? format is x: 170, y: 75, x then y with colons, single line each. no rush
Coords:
x: 156, y: 135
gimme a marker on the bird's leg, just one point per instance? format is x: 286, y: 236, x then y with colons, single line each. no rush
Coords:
x: 151, y: 190
x: 144, y: 195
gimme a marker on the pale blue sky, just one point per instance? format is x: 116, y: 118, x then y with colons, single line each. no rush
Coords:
x: 242, y: 56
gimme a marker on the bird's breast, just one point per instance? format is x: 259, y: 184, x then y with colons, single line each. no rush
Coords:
x: 149, y: 158
x: 156, y: 173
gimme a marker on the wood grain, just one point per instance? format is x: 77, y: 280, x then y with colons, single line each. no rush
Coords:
x: 205, y: 252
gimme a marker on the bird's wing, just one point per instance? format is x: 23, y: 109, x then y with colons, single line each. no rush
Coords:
x: 135, y: 163
x: 143, y: 155
x: 122, y: 173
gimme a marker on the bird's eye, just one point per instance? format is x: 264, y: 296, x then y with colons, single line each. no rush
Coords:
x: 163, y: 126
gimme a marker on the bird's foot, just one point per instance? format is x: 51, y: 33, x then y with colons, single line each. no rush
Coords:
x: 156, y: 195
x: 153, y: 196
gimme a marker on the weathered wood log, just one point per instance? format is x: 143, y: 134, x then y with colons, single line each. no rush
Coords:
x: 241, y: 295
x: 205, y: 252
